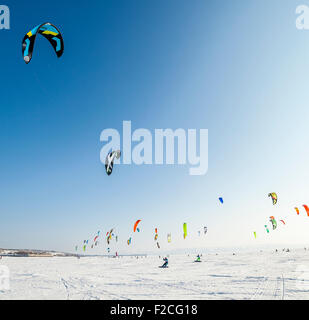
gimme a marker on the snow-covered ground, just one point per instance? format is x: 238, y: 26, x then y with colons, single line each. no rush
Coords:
x: 257, y: 275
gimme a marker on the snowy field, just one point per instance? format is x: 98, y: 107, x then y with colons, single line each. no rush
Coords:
x: 259, y: 275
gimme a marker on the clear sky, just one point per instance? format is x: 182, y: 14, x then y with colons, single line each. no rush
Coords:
x: 237, y: 68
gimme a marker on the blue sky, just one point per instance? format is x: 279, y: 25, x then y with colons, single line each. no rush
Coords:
x: 237, y: 68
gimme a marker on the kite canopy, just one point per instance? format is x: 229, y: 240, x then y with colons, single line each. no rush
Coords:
x: 274, y: 197
x: 307, y: 209
x: 169, y: 238
x: 254, y: 234
x: 136, y: 224
x: 274, y: 222
x: 156, y: 234
x: 185, y: 232
x: 297, y: 210
x: 109, y: 161
x: 282, y: 222
x: 205, y: 230
x: 109, y: 235
x: 48, y: 31
x: 266, y: 228
x: 221, y: 200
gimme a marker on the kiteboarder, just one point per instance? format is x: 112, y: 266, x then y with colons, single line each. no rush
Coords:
x: 165, y: 264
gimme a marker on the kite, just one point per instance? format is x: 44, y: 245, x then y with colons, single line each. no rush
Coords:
x: 282, y: 222
x: 297, y: 210
x: 307, y: 209
x: 266, y: 228
x: 156, y: 234
x: 254, y: 234
x: 84, y: 248
x: 221, y: 200
x: 136, y: 224
x: 185, y: 232
x: 274, y: 197
x: 109, y: 161
x: 129, y: 241
x: 48, y: 31
x: 158, y: 245
x: 199, y: 233
x: 109, y: 235
x: 274, y: 222
x: 205, y: 230
x: 169, y: 238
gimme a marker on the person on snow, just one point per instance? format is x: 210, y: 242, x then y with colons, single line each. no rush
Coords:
x: 165, y: 262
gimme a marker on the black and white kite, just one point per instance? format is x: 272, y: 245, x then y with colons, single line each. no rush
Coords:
x: 109, y: 161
